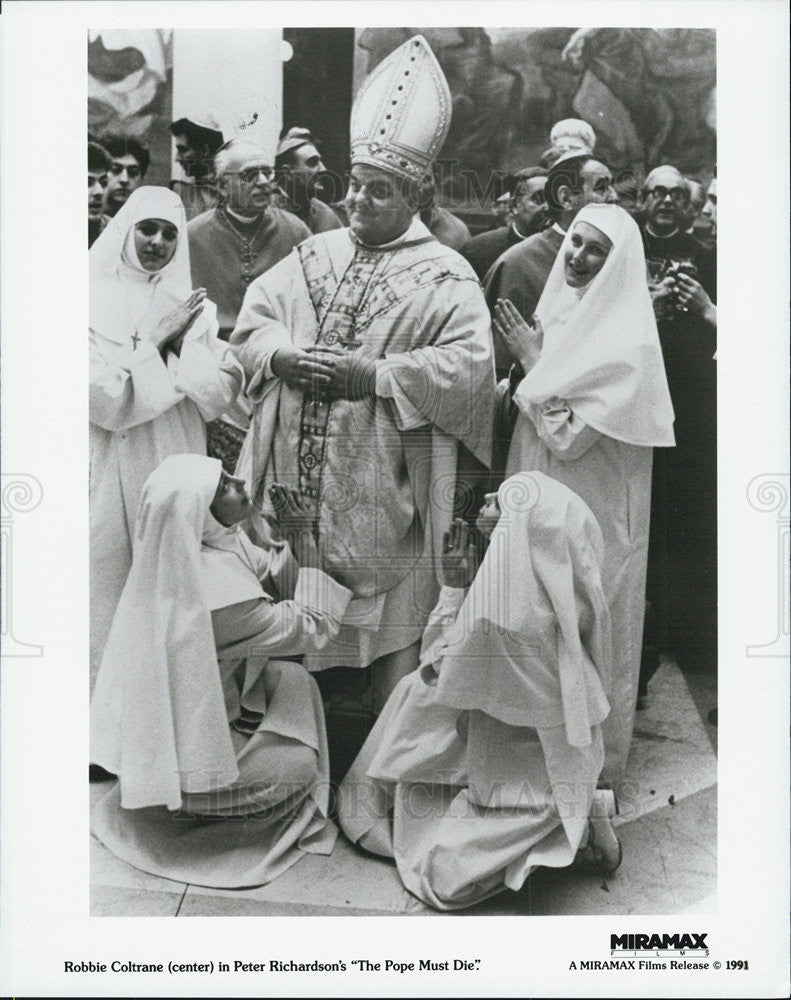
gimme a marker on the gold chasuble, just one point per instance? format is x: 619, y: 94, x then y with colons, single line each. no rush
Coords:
x: 378, y: 473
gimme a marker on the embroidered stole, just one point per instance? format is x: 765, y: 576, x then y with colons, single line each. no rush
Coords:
x: 343, y: 312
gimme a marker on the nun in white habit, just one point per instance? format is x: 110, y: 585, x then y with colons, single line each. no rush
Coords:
x: 592, y: 405
x: 217, y: 739
x: 157, y: 374
x: 484, y: 762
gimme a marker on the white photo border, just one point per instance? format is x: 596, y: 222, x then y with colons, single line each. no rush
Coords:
x: 43, y: 827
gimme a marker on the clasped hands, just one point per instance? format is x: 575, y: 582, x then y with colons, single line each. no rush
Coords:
x: 329, y: 372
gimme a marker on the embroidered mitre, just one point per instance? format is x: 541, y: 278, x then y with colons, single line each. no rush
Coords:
x: 401, y: 114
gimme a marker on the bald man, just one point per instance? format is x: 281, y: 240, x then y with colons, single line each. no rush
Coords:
x: 234, y: 243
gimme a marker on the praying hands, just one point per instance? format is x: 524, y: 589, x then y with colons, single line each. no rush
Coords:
x: 460, y: 554
x: 523, y: 341
x: 176, y: 324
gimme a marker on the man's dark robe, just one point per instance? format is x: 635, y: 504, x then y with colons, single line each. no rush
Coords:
x: 225, y: 256
x: 483, y: 250
x: 682, y: 567
x: 96, y: 227
x: 317, y: 216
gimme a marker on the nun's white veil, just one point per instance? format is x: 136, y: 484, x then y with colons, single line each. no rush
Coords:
x: 158, y: 716
x: 601, y: 352
x: 125, y: 298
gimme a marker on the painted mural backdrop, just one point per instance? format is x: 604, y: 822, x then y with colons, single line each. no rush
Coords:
x: 130, y: 90
x: 649, y: 94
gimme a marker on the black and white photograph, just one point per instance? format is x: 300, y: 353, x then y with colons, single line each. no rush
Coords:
x: 407, y: 485
x: 376, y: 450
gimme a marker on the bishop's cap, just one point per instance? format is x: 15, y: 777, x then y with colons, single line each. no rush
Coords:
x: 401, y: 114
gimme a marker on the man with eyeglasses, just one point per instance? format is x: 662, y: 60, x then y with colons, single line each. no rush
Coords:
x: 234, y: 243
x: 129, y: 162
x: 682, y: 577
x: 666, y: 195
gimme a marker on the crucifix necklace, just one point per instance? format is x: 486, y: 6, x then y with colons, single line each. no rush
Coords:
x: 135, y: 336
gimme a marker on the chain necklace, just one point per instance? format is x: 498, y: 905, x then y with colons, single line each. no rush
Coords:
x: 247, y: 255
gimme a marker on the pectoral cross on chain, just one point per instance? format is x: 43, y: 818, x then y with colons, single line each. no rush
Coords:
x: 135, y: 340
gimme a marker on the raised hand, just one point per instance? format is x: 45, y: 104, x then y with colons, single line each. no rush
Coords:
x: 523, y: 341
x: 488, y: 515
x: 174, y: 326
x: 460, y: 554
x: 296, y: 523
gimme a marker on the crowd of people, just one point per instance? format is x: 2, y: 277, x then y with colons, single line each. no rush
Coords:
x: 349, y: 434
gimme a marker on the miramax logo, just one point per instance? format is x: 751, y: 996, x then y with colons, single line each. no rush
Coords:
x: 658, y: 942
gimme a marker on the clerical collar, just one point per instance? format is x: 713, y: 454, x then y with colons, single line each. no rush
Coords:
x: 660, y: 236
x: 557, y: 229
x: 243, y: 220
x: 521, y: 237
x: 416, y: 232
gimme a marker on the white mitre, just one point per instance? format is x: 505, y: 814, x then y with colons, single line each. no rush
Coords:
x: 401, y: 114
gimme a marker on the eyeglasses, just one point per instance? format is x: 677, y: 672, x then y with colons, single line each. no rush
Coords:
x: 132, y: 172
x: 251, y: 175
x: 678, y: 194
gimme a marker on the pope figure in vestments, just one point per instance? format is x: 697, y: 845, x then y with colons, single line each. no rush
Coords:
x: 369, y: 364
